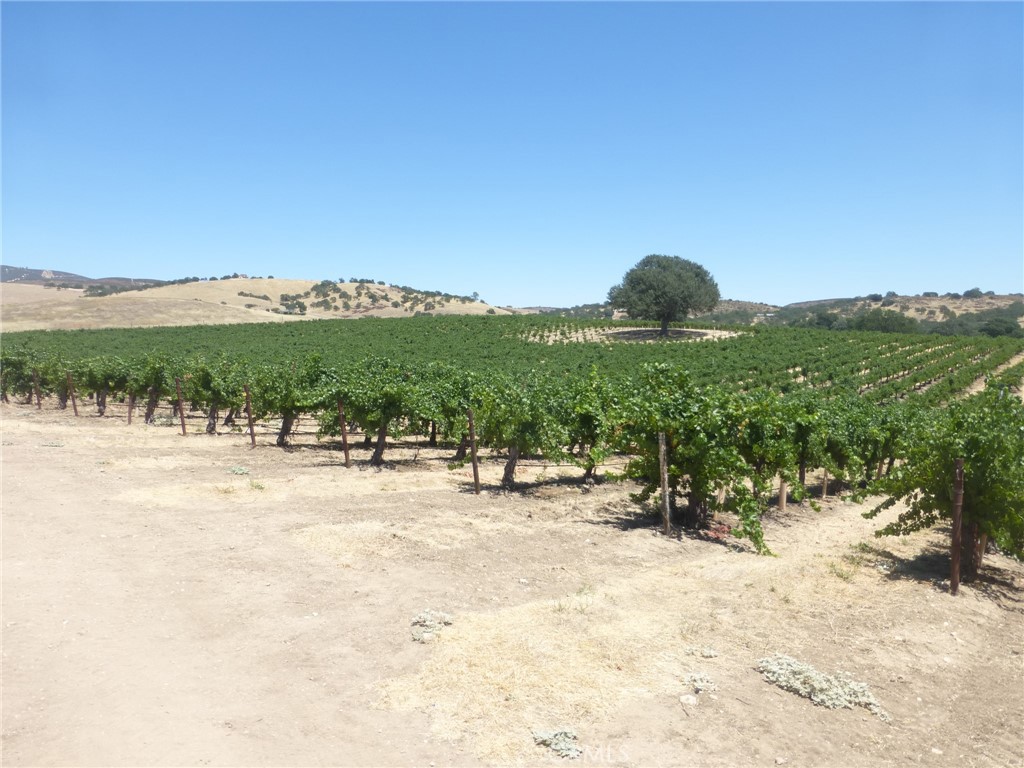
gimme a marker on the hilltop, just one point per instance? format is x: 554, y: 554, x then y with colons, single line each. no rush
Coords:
x: 28, y: 304
x: 926, y: 306
x: 968, y: 313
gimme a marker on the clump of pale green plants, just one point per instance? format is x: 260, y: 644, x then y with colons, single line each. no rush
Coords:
x: 832, y: 691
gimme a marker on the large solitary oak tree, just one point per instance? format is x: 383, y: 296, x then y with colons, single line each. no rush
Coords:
x: 665, y: 288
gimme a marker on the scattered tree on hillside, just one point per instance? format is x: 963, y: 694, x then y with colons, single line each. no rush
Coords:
x: 1001, y: 326
x: 665, y: 288
x: 884, y: 320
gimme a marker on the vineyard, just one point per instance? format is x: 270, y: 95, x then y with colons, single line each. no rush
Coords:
x: 739, y: 413
x: 227, y: 605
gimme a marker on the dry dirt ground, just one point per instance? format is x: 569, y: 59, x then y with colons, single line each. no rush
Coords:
x: 634, y: 334
x: 174, y: 600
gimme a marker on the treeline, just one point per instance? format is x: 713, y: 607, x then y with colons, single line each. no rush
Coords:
x: 587, y: 311
x: 997, y: 321
x: 108, y: 289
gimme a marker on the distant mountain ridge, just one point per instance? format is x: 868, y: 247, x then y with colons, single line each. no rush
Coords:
x: 29, y: 276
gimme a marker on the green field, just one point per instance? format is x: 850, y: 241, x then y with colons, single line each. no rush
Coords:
x: 883, y: 364
x: 736, y: 413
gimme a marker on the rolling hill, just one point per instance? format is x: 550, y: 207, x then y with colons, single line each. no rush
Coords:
x: 36, y: 299
x: 28, y: 305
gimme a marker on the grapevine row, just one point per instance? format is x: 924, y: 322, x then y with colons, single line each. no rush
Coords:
x: 726, y: 445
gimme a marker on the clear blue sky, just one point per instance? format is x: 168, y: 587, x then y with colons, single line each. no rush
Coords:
x: 531, y: 152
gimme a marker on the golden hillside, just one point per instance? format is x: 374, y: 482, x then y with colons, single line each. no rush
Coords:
x: 26, y: 307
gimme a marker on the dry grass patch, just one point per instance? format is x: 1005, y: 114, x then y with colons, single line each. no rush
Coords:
x: 362, y: 540
x: 493, y: 679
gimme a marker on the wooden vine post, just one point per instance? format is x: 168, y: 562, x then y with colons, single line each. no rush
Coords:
x: 35, y: 384
x: 958, y: 509
x: 824, y: 485
x: 71, y: 394
x: 248, y: 414
x: 131, y: 406
x: 344, y: 433
x: 783, y: 493
x: 181, y: 405
x: 666, y: 512
x: 472, y: 452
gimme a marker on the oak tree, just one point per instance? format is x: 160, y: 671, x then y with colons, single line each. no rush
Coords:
x: 666, y: 289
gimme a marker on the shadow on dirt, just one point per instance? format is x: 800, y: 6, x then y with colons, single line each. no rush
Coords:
x: 531, y: 488
x: 999, y: 585
x: 397, y: 456
x: 653, y: 334
x: 932, y: 565
x: 636, y: 518
x: 627, y: 519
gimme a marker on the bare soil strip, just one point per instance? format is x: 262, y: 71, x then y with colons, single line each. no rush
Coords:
x: 979, y: 384
x: 190, y: 601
